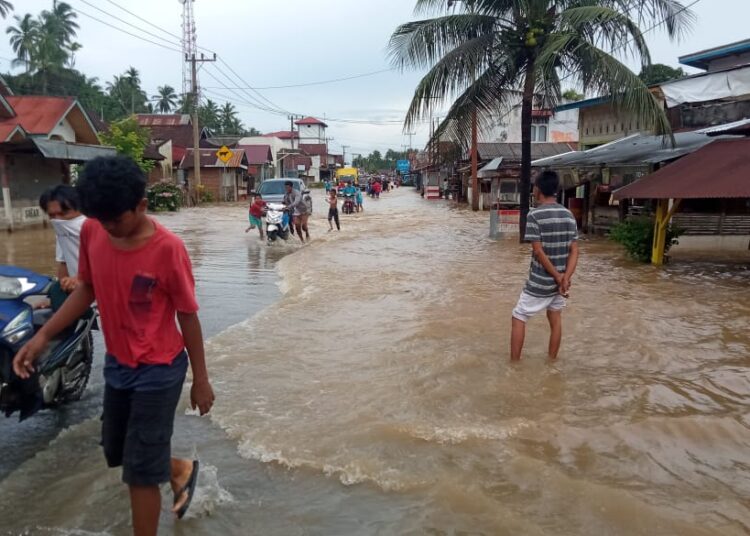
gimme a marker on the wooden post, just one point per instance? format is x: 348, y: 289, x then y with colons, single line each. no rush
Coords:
x: 5, y: 184
x: 474, y: 163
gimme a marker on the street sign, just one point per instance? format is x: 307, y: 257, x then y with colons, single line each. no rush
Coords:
x: 224, y: 154
x: 403, y: 166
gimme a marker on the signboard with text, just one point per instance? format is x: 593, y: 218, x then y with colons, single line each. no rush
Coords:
x: 403, y: 166
x: 508, y: 220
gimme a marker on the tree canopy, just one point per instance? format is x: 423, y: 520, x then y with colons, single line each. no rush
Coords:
x: 376, y: 161
x: 658, y: 73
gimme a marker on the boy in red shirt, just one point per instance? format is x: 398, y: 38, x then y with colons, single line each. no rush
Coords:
x: 140, y: 275
x: 256, y: 214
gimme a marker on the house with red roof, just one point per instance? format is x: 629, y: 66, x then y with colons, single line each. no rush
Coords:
x: 224, y: 181
x: 171, y: 136
x: 40, y: 138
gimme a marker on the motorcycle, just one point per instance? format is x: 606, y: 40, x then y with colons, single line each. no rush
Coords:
x: 277, y: 222
x: 63, y: 370
x: 349, y: 206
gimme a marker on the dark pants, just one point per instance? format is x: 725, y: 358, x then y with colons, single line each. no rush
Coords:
x: 137, y: 433
x: 333, y: 214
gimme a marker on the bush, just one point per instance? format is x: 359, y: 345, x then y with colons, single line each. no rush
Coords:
x: 204, y: 196
x: 164, y: 196
x: 637, y: 236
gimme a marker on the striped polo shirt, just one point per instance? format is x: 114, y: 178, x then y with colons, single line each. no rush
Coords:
x: 555, y: 227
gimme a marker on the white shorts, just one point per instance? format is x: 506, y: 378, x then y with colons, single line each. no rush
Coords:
x: 529, y: 305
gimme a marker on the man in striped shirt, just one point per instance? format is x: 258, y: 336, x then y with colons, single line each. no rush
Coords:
x: 553, y: 234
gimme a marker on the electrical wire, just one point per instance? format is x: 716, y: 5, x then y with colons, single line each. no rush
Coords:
x: 323, y: 82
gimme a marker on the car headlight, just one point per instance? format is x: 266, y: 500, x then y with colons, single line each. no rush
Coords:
x: 18, y: 328
x: 10, y: 288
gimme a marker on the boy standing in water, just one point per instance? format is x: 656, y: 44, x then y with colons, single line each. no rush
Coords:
x: 553, y: 233
x: 256, y: 214
x: 333, y: 211
x: 141, y: 277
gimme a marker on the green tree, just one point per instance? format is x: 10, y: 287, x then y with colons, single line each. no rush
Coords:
x: 126, y: 90
x: 572, y: 95
x: 658, y: 73
x: 129, y: 139
x: 481, y: 52
x: 23, y: 39
x: 5, y: 8
x: 166, y: 100
x: 229, y: 121
x: 209, y: 115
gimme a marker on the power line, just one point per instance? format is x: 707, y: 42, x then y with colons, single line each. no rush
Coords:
x: 131, y: 25
x: 322, y: 82
x: 78, y: 10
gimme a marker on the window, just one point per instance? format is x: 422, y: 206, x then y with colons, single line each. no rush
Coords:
x: 539, y: 129
x: 541, y: 133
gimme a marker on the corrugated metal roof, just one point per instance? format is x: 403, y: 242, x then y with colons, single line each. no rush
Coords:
x: 314, y: 149
x: 257, y: 154
x: 720, y: 169
x: 511, y: 152
x: 282, y: 135
x: 209, y: 159
x: 75, y: 152
x: 636, y: 149
x: 39, y: 115
x: 162, y: 120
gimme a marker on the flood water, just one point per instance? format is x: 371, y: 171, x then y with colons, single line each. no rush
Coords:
x: 363, y: 387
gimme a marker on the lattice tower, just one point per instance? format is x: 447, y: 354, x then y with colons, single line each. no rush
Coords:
x: 189, y: 43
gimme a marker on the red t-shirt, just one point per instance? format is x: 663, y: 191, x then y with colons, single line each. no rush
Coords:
x: 139, y: 292
x: 256, y: 209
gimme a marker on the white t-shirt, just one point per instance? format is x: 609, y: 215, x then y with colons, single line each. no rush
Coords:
x: 68, y: 242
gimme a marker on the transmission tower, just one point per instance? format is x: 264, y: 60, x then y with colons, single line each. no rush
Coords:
x: 189, y: 44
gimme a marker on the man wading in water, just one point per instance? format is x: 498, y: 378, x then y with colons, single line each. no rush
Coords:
x: 140, y: 275
x: 553, y: 233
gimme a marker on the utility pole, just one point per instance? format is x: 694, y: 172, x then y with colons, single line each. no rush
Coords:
x: 344, y: 148
x: 474, y: 162
x: 411, y: 135
x: 292, y: 118
x: 195, y: 98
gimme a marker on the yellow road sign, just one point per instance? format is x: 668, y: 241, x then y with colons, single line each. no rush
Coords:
x: 224, y: 154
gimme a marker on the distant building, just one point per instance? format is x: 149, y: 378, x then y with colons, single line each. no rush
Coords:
x: 224, y: 181
x: 172, y: 135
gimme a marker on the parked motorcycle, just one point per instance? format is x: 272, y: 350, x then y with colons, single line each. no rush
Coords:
x: 277, y: 222
x: 63, y: 370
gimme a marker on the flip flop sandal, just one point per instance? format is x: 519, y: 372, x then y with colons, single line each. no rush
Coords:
x: 189, y: 488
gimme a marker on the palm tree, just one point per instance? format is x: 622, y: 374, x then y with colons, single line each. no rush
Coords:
x: 487, y: 52
x: 166, y: 100
x: 133, y: 77
x: 72, y: 49
x: 228, y: 117
x: 64, y: 20
x: 209, y: 115
x: 23, y: 39
x: 5, y: 8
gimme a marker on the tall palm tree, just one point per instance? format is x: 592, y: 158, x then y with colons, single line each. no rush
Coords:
x: 209, y: 115
x: 23, y: 39
x: 5, y: 8
x: 63, y: 18
x: 133, y: 77
x: 166, y: 100
x: 73, y: 48
x: 228, y: 117
x: 484, y: 53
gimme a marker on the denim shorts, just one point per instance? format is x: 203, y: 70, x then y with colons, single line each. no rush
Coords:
x: 137, y: 432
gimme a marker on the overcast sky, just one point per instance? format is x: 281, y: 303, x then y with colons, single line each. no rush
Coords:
x: 277, y: 43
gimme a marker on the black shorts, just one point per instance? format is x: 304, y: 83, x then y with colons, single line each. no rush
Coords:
x: 137, y: 433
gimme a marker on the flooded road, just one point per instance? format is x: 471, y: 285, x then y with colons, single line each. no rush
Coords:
x: 363, y: 387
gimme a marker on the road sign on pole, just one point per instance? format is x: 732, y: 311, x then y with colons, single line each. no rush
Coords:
x: 224, y: 154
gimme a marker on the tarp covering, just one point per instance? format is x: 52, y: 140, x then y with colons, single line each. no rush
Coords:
x: 75, y: 152
x: 718, y: 170
x: 708, y: 87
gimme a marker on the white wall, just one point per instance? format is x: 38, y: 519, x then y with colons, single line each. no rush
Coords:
x: 312, y: 133
x: 562, y: 127
x: 65, y: 131
x: 276, y: 145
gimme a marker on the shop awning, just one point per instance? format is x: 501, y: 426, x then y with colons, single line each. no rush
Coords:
x: 73, y: 152
x: 720, y: 170
x: 637, y: 149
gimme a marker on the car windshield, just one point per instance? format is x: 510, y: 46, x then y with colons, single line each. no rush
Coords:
x: 275, y: 188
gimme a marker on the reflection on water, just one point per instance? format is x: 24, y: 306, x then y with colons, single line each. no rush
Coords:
x: 376, y: 395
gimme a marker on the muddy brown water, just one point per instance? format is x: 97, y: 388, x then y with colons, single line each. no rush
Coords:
x: 364, y: 388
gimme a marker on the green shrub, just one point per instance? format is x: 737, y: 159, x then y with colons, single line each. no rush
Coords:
x: 636, y: 235
x: 164, y: 196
